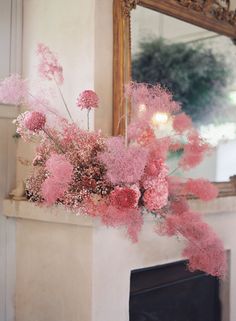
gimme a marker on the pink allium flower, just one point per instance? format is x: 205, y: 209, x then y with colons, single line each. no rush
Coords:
x: 60, y: 168
x: 49, y: 67
x: 182, y: 122
x: 201, y: 188
x: 125, y: 165
x: 194, y: 151
x: 156, y: 198
x: 88, y: 99
x: 34, y: 121
x: 125, y: 197
x: 13, y: 90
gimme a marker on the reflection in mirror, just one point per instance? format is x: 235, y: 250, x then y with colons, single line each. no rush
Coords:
x: 197, y: 67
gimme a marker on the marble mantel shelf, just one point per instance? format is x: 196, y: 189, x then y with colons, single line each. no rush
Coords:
x: 26, y: 210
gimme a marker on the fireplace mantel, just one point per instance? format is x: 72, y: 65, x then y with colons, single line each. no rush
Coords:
x: 57, y: 214
x: 70, y: 267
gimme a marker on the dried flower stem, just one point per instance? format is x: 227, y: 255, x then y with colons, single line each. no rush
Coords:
x: 88, y: 119
x: 63, y: 99
x: 54, y: 141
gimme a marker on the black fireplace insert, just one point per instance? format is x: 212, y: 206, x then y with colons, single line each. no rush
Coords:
x: 172, y: 293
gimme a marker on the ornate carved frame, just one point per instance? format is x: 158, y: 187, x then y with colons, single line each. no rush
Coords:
x: 214, y: 15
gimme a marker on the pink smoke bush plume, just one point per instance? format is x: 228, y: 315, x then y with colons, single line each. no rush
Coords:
x: 117, y: 180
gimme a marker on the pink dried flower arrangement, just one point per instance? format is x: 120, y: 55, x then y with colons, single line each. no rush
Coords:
x: 119, y: 179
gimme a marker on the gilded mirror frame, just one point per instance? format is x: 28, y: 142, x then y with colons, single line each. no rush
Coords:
x: 208, y: 14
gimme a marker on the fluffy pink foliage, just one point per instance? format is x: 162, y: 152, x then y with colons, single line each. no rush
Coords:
x: 60, y: 168
x: 209, y: 257
x: 194, y: 151
x: 129, y: 218
x: 124, y: 164
x: 88, y: 99
x: 160, y: 147
x: 125, y: 197
x: 54, y: 187
x: 49, y: 67
x: 201, y: 188
x: 182, y: 122
x: 13, y: 90
x: 175, y: 184
x: 52, y: 190
x: 204, y: 249
x: 153, y: 97
x: 179, y: 206
x: 34, y: 121
x: 147, y: 137
x: 156, y: 198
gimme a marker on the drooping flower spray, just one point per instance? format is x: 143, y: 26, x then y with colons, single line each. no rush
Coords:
x: 119, y: 179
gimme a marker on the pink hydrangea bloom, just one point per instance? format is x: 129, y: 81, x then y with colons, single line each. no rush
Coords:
x: 13, y: 90
x: 194, y: 151
x: 182, y: 122
x: 49, y: 67
x: 88, y: 99
x: 34, y: 121
x: 125, y: 197
x: 201, y: 188
x: 156, y: 198
x: 123, y: 164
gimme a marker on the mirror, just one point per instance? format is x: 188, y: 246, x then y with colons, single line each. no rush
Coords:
x: 195, y: 65
x: 187, y: 46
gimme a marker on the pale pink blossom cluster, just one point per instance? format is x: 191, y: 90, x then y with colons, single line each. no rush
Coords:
x: 117, y: 179
x: 49, y: 67
x: 13, y: 90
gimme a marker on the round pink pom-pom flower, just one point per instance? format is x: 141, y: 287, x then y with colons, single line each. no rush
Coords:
x: 34, y: 121
x: 88, y: 99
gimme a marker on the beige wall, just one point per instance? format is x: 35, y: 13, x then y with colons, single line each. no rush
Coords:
x: 80, y: 32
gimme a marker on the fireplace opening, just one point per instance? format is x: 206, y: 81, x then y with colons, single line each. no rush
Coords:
x: 171, y: 293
